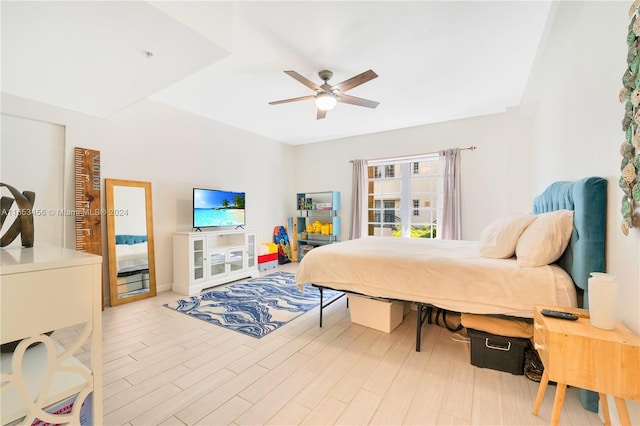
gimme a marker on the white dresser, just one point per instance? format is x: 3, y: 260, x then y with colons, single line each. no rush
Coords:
x: 44, y: 289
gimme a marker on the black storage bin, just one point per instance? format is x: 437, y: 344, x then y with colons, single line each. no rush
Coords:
x: 497, y: 352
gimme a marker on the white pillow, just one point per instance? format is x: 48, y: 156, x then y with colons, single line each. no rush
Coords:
x: 544, y: 241
x: 498, y: 239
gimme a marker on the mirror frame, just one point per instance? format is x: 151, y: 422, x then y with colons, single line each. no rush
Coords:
x: 111, y: 241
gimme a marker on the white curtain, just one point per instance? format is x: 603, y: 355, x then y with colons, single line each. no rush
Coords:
x: 449, y: 228
x: 358, y: 193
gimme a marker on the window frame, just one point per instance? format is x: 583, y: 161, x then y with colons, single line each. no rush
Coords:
x: 385, y: 183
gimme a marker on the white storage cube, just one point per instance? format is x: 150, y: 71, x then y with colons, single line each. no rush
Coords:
x: 382, y: 315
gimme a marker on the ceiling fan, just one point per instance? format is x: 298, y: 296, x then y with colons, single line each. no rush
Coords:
x: 326, y: 95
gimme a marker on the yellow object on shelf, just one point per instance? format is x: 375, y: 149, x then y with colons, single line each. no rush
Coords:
x: 318, y: 227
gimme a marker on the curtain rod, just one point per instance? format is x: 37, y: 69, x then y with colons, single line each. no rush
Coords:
x: 404, y: 157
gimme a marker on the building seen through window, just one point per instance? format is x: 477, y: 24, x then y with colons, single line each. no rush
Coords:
x: 404, y: 197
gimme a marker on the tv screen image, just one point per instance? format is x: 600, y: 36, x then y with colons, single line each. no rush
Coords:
x: 212, y: 207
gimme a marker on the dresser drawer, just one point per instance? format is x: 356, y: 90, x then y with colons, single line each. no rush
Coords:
x: 541, y: 338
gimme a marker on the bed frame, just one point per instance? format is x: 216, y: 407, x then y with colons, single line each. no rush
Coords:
x: 586, y: 250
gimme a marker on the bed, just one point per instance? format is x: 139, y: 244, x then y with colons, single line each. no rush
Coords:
x: 452, y: 275
x: 132, y: 264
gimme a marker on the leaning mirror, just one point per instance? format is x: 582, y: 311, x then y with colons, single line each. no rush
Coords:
x: 132, y: 271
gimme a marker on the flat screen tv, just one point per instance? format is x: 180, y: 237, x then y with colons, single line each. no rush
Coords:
x: 215, y: 208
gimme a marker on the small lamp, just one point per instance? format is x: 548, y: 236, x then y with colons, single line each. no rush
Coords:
x: 325, y: 101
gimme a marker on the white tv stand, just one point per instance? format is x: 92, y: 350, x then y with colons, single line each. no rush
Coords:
x: 205, y: 259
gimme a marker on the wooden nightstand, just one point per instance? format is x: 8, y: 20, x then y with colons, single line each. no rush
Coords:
x: 578, y: 354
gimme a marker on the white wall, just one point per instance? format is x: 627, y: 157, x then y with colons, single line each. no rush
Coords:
x: 325, y: 166
x: 572, y: 104
x: 32, y: 159
x: 130, y: 203
x: 175, y: 151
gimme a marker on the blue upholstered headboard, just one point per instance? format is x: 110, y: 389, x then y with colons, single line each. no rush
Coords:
x: 586, y: 251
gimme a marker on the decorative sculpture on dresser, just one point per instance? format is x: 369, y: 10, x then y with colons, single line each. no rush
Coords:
x: 23, y: 225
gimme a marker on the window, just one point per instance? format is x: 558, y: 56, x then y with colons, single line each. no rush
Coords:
x: 387, y: 171
x: 404, y: 197
x: 385, y: 213
x: 390, y: 170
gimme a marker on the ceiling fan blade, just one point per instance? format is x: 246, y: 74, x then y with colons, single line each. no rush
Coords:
x: 284, y: 101
x: 322, y: 113
x: 356, y: 81
x: 310, y: 84
x: 357, y: 101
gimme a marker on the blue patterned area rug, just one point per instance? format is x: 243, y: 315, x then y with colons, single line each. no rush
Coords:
x: 255, y: 307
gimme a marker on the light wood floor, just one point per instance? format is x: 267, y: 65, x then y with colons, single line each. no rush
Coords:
x: 165, y: 368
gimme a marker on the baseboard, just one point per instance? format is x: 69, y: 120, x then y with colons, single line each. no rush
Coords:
x: 164, y: 287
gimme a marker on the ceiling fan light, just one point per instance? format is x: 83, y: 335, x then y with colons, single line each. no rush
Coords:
x: 325, y: 101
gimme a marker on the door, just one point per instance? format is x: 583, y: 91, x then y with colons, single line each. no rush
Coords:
x: 197, y: 259
x: 236, y: 259
x: 251, y: 250
x: 217, y: 263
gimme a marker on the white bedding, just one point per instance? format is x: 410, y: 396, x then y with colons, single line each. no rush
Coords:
x: 446, y: 273
x: 132, y: 257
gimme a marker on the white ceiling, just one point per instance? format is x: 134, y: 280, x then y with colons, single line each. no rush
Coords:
x: 436, y: 61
